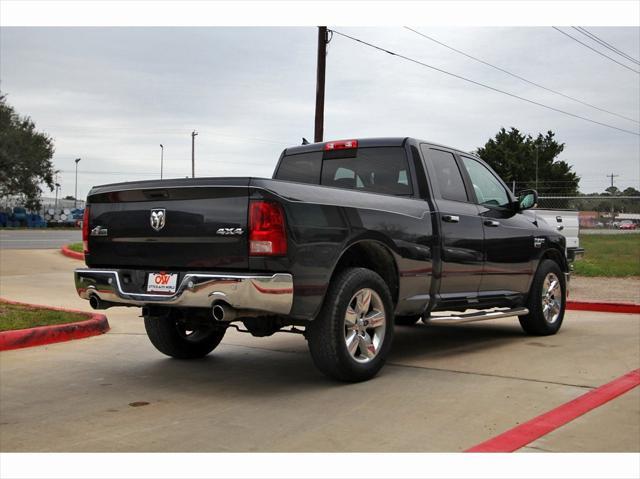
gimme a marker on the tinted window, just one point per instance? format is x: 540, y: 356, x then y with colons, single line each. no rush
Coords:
x: 489, y: 191
x: 380, y: 170
x: 448, y: 175
x: 302, y: 168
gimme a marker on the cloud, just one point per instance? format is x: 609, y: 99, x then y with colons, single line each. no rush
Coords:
x: 112, y: 95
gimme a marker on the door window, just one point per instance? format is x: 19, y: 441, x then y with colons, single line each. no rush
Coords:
x: 489, y: 191
x: 448, y: 175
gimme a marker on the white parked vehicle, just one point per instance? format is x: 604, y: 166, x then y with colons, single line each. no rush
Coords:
x: 568, y: 224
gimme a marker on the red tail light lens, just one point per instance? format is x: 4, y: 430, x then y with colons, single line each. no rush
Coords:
x: 267, y: 235
x: 85, y: 230
x: 341, y: 145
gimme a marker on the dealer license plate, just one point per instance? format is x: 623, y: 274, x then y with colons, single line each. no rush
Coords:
x: 162, y: 283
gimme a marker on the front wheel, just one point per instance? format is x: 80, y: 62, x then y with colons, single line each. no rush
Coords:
x: 547, y: 301
x: 175, y: 337
x: 352, y: 335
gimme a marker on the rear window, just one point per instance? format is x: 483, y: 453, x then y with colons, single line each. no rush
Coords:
x: 378, y: 170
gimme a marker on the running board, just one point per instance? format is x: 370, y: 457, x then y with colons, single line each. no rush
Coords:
x: 478, y: 316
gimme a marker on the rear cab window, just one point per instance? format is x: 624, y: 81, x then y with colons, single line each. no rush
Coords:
x: 382, y: 170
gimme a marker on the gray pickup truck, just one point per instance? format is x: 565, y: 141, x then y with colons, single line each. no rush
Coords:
x: 348, y: 240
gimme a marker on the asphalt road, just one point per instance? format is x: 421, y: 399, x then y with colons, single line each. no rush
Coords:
x: 444, y: 388
x: 41, y: 238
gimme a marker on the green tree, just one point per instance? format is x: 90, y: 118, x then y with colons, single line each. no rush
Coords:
x: 513, y: 154
x: 25, y: 157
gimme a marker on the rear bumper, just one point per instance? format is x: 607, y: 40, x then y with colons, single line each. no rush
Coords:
x: 271, y: 294
x: 574, y: 253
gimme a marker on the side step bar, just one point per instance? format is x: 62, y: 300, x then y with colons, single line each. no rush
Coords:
x: 477, y: 316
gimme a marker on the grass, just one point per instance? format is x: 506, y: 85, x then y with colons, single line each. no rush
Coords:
x: 16, y: 316
x: 77, y: 247
x: 609, y: 255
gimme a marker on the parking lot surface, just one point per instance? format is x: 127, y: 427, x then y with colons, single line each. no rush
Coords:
x: 445, y: 388
x: 38, y: 238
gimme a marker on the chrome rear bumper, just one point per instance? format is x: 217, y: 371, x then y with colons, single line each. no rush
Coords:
x: 272, y: 294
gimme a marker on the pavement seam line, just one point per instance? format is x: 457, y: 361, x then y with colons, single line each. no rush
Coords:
x: 492, y: 375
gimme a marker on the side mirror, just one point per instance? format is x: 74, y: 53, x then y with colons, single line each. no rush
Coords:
x: 527, y: 199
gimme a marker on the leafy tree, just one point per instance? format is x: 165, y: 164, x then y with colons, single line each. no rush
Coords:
x: 25, y: 157
x: 513, y: 156
x: 69, y: 197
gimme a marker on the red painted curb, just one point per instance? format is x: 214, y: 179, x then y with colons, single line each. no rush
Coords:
x: 71, y: 254
x: 542, y: 425
x: 25, y: 338
x: 604, y: 307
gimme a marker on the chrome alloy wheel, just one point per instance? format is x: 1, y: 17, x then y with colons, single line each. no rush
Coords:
x: 551, y: 298
x: 364, y: 325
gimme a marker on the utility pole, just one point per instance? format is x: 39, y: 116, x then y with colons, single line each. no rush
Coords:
x: 612, y: 176
x: 161, y: 159
x: 193, y: 153
x: 322, y: 62
x: 75, y: 194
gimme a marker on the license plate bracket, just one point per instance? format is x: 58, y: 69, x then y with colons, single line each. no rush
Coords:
x: 162, y: 283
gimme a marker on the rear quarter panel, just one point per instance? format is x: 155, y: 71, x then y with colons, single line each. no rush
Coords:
x: 323, y: 222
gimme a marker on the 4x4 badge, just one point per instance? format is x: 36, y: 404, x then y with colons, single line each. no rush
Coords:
x: 158, y: 217
x: 538, y: 242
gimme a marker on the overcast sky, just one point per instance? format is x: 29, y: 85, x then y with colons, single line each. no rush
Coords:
x: 111, y: 95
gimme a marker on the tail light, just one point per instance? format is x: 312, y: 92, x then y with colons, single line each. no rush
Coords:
x: 267, y: 235
x: 85, y: 230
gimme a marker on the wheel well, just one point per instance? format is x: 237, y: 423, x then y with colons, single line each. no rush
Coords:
x: 374, y: 256
x: 555, y: 255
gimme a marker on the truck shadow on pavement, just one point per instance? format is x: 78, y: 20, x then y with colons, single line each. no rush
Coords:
x: 284, y: 366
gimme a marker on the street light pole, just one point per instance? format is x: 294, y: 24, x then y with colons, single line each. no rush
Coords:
x: 75, y: 195
x: 537, y: 167
x: 193, y: 154
x: 161, y: 159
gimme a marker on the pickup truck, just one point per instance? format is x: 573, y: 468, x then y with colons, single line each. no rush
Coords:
x: 348, y: 240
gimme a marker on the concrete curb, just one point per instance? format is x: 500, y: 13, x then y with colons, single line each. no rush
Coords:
x: 25, y: 338
x: 601, y: 306
x: 71, y: 254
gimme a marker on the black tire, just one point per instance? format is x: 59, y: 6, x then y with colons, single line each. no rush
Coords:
x: 170, y: 336
x: 407, y: 320
x: 327, y: 333
x: 535, y: 323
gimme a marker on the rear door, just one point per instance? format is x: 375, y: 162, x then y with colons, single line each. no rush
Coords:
x: 460, y: 226
x: 508, y: 235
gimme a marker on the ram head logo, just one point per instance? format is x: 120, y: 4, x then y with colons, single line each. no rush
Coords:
x: 158, y: 216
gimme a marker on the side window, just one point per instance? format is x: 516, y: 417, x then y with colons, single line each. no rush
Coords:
x: 302, y: 168
x: 448, y: 175
x: 488, y: 189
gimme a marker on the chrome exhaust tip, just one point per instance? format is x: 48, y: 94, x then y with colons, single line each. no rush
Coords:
x: 223, y: 312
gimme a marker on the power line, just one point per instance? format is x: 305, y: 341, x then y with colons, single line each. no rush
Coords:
x: 595, y: 38
x: 520, y: 77
x: 483, y: 84
x: 597, y: 51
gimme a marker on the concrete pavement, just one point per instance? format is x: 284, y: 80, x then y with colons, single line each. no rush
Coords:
x: 444, y: 388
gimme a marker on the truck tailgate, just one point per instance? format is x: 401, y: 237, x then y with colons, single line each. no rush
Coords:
x: 169, y: 225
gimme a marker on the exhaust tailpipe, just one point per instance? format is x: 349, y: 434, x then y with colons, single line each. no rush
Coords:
x: 223, y: 312
x: 96, y: 303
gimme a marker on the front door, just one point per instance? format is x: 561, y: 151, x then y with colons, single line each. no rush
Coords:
x: 508, y: 235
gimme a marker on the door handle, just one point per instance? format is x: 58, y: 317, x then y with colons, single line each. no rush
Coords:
x: 493, y: 223
x: 451, y: 218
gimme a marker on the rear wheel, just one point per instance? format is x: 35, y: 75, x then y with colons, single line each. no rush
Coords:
x: 352, y: 335
x: 547, y: 301
x: 174, y: 336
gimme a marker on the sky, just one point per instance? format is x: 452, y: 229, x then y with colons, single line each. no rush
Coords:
x: 111, y: 96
